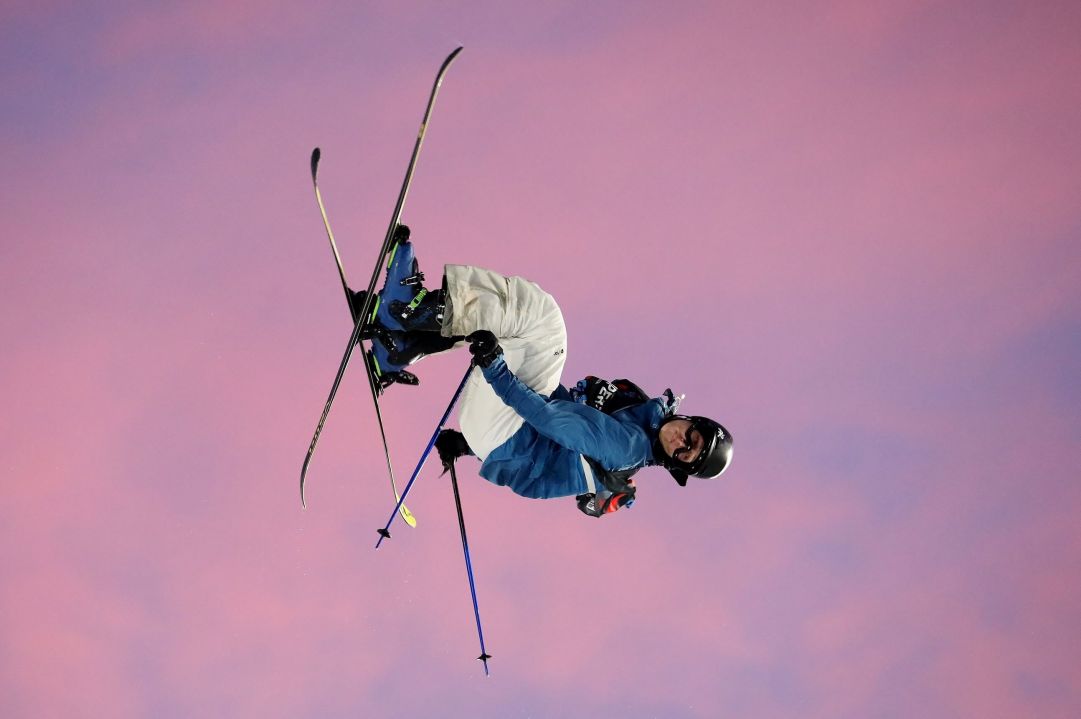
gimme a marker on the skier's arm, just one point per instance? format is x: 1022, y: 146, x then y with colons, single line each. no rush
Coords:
x: 572, y: 425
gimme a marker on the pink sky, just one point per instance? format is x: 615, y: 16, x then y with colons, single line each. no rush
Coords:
x: 849, y: 231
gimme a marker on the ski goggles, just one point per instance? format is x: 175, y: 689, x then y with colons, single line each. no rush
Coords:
x: 693, y: 446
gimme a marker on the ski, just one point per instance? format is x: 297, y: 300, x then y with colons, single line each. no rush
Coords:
x: 353, y: 310
x: 362, y: 315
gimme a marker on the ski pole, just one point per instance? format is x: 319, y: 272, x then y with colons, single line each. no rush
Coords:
x: 484, y: 655
x: 384, y: 533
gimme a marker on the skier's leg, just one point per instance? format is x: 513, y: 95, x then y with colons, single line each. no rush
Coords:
x: 530, y: 328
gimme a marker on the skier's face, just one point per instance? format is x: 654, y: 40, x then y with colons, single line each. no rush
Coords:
x: 681, y: 441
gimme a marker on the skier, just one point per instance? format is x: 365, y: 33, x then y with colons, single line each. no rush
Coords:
x: 532, y: 434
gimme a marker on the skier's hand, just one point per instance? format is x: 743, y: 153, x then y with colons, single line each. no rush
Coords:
x: 451, y: 445
x: 484, y: 347
x: 587, y: 503
x: 606, y: 503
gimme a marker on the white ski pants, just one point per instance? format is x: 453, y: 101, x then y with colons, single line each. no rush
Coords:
x: 530, y: 328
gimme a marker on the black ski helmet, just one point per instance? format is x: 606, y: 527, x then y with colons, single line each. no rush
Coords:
x: 711, y: 461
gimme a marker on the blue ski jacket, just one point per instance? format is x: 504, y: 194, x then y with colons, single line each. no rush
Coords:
x: 543, y: 459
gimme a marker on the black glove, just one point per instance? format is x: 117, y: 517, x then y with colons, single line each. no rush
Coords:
x: 451, y: 445
x: 484, y: 347
x: 587, y: 503
x: 607, y: 503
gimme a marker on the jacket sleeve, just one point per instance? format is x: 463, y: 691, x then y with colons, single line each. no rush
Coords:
x: 575, y: 426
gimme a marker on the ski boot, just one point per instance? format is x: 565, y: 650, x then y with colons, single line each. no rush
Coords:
x: 388, y: 354
x: 424, y: 313
x: 393, y: 351
x: 389, y: 357
x: 403, y: 281
x: 404, y: 304
x: 405, y: 322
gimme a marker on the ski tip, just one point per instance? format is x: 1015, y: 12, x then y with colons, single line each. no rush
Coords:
x: 315, y: 161
x: 450, y: 57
